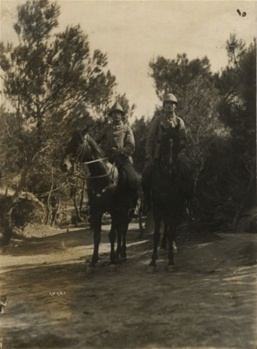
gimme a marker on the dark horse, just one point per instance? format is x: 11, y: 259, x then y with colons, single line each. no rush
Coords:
x: 170, y: 195
x: 107, y: 192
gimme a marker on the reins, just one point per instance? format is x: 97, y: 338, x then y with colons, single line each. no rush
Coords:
x: 90, y: 177
x: 80, y: 154
x: 92, y: 161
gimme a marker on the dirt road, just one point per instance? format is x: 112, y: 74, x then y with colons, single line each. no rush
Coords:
x: 210, y: 302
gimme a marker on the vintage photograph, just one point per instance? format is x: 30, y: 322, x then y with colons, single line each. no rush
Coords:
x: 128, y: 214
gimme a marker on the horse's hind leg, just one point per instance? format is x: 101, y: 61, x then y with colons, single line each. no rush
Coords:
x: 157, y: 226
x: 112, y: 238
x: 171, y: 241
x: 122, y: 227
x: 123, y: 232
x: 96, y: 226
x: 164, y: 236
x: 141, y: 227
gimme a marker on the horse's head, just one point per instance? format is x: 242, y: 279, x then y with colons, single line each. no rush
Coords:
x: 80, y: 148
x: 70, y: 152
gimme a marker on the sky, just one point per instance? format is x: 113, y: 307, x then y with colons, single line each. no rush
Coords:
x: 132, y: 33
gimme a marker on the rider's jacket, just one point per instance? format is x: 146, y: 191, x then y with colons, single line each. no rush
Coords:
x: 118, y: 137
x: 158, y: 128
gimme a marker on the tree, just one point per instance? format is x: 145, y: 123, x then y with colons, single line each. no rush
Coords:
x: 48, y: 78
x: 140, y: 129
x: 235, y: 49
x: 237, y: 110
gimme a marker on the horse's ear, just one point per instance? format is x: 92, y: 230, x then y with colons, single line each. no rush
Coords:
x: 77, y: 136
x: 84, y: 131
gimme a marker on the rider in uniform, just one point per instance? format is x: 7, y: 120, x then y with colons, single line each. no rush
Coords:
x: 167, y: 125
x: 119, y: 146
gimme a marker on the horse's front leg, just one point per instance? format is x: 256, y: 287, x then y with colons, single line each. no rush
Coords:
x: 122, y: 232
x: 171, y: 241
x: 164, y: 237
x: 157, y: 226
x: 96, y: 222
x: 112, y: 239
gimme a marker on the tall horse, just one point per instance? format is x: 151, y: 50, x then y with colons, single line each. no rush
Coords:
x: 169, y: 198
x: 107, y: 192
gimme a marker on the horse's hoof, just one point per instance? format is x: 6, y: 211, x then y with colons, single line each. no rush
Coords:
x: 152, y: 269
x: 163, y: 252
x: 90, y: 269
x: 113, y: 268
x: 123, y: 259
x: 171, y: 268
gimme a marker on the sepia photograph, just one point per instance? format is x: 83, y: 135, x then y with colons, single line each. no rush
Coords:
x: 128, y: 215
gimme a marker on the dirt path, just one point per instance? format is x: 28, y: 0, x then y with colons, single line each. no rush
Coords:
x: 210, y: 302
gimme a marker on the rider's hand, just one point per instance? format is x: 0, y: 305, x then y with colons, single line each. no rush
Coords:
x: 116, y: 151
x: 175, y: 157
x: 149, y: 158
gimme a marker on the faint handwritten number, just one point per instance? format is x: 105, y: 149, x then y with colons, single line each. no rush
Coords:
x: 58, y: 293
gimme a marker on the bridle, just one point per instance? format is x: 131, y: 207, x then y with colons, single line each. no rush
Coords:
x: 80, y: 155
x: 91, y: 162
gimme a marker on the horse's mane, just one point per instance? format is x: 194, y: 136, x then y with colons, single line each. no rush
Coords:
x: 94, y: 147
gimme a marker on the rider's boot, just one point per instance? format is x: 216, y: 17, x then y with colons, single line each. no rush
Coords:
x: 146, y: 202
x: 133, y: 204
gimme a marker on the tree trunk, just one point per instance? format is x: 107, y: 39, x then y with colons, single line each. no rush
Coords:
x: 82, y: 196
x: 242, y: 204
x: 48, y: 205
x: 54, y: 213
x: 7, y: 222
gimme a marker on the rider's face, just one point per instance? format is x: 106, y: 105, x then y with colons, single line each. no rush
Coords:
x: 116, y: 116
x: 169, y: 107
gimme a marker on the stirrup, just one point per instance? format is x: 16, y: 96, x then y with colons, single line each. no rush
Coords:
x: 132, y: 214
x: 145, y: 207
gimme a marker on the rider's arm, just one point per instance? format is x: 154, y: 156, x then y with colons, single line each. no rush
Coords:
x: 182, y: 135
x: 152, y: 137
x: 129, y: 142
x: 179, y: 139
x: 101, y: 136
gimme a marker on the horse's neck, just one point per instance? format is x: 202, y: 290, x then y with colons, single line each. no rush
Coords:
x: 166, y: 159
x: 165, y: 164
x: 102, y: 176
x: 98, y: 169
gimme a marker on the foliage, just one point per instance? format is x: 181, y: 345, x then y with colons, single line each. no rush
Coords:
x: 140, y: 129
x: 55, y: 84
x: 237, y: 110
x: 26, y: 212
x: 50, y: 78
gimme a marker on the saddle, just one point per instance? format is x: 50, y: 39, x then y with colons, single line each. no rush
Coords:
x: 118, y: 177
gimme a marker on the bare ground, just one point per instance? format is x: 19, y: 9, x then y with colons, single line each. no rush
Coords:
x: 209, y: 302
